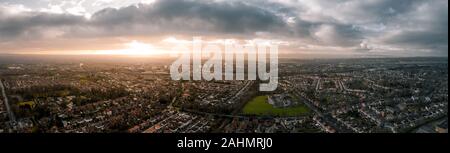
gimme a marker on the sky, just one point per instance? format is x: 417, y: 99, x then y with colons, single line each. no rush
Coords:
x: 309, y: 28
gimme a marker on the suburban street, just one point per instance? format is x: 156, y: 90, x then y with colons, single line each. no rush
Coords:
x: 5, y: 99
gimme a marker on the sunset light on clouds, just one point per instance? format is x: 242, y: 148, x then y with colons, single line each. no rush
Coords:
x: 148, y: 27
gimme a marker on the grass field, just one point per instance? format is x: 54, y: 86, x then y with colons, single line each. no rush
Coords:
x: 260, y: 106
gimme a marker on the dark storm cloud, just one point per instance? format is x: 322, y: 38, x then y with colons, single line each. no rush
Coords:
x: 166, y: 16
x: 32, y: 23
x: 185, y: 16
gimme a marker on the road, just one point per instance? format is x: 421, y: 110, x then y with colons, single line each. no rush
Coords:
x: 318, y: 84
x: 244, y: 89
x: 326, y: 117
x: 238, y: 116
x: 308, y: 103
x: 12, y: 118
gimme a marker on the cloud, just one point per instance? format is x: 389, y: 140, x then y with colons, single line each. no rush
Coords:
x: 337, y: 35
x: 362, y: 26
x: 168, y: 16
x: 35, y: 25
x: 192, y: 17
x: 423, y: 27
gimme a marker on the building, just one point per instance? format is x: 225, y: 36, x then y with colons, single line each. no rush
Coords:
x: 280, y: 100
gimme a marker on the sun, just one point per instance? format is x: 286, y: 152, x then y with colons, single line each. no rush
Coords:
x: 134, y: 48
x: 138, y: 48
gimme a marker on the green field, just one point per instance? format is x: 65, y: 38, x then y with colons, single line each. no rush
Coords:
x: 260, y: 106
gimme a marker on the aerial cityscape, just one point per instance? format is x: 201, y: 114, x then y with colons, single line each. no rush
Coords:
x: 391, y: 95
x: 307, y: 66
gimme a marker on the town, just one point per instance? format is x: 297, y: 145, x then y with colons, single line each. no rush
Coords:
x: 216, y: 62
x: 378, y: 95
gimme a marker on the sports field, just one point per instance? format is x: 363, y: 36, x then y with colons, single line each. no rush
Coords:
x: 260, y: 106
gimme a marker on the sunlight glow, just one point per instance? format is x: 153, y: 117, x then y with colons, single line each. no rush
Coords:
x: 134, y: 48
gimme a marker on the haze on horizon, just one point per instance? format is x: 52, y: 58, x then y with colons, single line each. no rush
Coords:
x: 305, y: 28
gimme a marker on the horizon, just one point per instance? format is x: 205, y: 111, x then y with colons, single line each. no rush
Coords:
x: 129, y: 59
x: 281, y: 56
